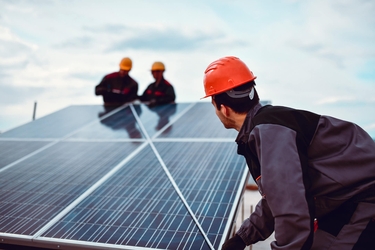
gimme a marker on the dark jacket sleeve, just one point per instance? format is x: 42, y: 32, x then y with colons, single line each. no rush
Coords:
x: 133, y: 90
x: 167, y: 97
x: 102, y: 87
x: 259, y: 226
x: 282, y: 186
x: 145, y: 97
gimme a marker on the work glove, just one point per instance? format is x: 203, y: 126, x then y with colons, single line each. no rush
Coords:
x: 124, y: 91
x: 116, y: 91
x: 234, y: 243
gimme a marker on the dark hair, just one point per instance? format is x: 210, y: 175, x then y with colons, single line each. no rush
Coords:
x: 239, y: 105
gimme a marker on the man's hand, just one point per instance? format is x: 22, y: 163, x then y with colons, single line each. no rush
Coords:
x: 234, y: 243
x: 100, y: 90
x: 152, y: 103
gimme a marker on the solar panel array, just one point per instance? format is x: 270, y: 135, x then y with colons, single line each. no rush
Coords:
x: 132, y: 177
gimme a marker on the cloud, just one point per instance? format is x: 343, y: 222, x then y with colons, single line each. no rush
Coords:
x: 83, y: 42
x: 13, y: 94
x: 10, y: 44
x: 322, y: 51
x: 87, y: 76
x: 161, y: 40
x: 335, y: 99
x: 158, y: 37
x: 335, y: 31
x: 118, y: 37
x: 367, y: 72
x: 371, y: 131
x: 347, y: 102
x: 316, y: 54
x: 173, y: 39
x: 15, y: 54
x: 107, y: 29
x: 6, y: 67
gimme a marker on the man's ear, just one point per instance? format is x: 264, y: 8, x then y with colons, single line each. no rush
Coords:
x: 225, y: 110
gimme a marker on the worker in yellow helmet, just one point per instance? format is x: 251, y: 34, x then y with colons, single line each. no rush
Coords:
x: 118, y: 87
x: 309, y: 168
x: 160, y: 91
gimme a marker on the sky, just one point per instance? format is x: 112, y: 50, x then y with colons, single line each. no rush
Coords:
x: 317, y: 55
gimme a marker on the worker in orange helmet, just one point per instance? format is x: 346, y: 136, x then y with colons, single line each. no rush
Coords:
x: 308, y: 168
x: 160, y: 91
x: 118, y: 87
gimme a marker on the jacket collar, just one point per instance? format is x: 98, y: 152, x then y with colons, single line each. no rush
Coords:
x: 245, y: 129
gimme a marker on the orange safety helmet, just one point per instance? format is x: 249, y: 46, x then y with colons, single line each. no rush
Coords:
x: 157, y: 66
x: 126, y: 64
x: 225, y: 74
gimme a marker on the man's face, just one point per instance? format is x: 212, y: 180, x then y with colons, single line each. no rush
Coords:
x: 226, y: 121
x: 123, y: 72
x: 157, y: 74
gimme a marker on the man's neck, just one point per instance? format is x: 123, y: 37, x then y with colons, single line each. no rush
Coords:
x: 238, y: 121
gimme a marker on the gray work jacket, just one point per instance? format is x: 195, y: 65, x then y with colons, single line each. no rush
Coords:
x: 305, y: 165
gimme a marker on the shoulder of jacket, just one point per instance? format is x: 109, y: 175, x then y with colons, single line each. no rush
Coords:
x: 151, y: 85
x: 167, y: 83
x: 112, y: 75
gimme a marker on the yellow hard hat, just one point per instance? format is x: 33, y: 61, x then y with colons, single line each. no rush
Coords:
x: 158, y: 66
x: 126, y: 63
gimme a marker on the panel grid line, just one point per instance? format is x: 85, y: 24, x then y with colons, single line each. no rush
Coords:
x: 135, y: 193
x: 58, y: 140
x: 116, y: 182
x: 193, y: 140
x: 154, y: 205
x: 195, y: 178
x: 171, y: 178
x: 26, y: 139
x: 236, y: 201
x: 165, y: 189
x: 92, y: 245
x: 104, y: 140
x: 89, y: 191
x: 172, y: 121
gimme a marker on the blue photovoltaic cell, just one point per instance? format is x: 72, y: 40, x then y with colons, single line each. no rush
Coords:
x: 121, y: 125
x: 200, y: 122
x: 11, y: 151
x: 136, y: 207
x: 34, y: 191
x: 58, y: 124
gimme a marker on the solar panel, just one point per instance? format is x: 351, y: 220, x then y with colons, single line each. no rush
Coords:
x: 200, y: 122
x: 131, y: 177
x: 58, y: 124
x: 11, y: 151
